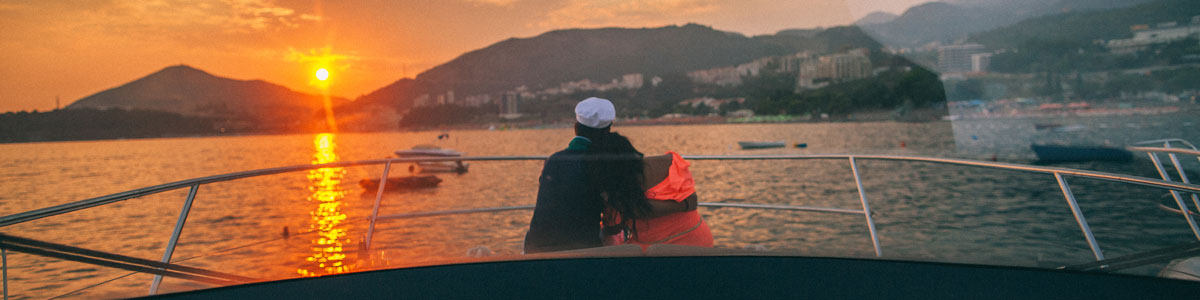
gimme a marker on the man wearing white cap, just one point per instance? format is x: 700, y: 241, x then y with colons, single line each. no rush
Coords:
x: 567, y: 214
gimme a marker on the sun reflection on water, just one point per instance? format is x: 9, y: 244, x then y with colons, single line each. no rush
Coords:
x: 328, y: 256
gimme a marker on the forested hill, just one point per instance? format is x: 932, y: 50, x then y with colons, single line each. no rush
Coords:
x: 603, y: 54
x: 185, y: 90
x: 1082, y: 28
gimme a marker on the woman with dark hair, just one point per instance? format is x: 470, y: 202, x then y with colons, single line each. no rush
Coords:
x: 634, y: 187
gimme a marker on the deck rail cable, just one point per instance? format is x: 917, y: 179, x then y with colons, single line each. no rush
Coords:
x: 164, y: 267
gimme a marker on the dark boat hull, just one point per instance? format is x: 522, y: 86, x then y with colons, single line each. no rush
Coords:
x: 761, y: 145
x: 708, y: 277
x: 1058, y: 153
x: 407, y: 182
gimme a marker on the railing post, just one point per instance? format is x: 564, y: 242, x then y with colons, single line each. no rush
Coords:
x: 1175, y: 194
x: 183, y: 214
x: 4, y: 257
x: 1183, y: 177
x: 1083, y: 225
x: 375, y: 210
x: 862, y: 195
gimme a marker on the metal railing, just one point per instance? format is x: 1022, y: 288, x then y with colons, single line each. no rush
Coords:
x: 193, y: 185
x: 1171, y: 151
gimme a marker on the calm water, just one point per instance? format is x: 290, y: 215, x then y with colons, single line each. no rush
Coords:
x: 922, y: 211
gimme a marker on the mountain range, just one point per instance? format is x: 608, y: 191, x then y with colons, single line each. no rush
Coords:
x: 192, y: 92
x: 601, y: 55
x: 949, y: 21
x: 1083, y: 27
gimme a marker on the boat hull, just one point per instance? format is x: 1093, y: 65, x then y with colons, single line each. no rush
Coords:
x: 402, y: 183
x: 761, y: 145
x: 1058, y: 153
x: 738, y: 277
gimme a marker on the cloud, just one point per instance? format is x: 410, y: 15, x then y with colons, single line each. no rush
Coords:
x: 11, y: 7
x: 493, y: 2
x: 324, y: 58
x: 583, y: 13
x: 227, y: 16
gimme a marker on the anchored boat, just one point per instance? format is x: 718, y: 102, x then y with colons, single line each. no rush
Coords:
x: 1049, y: 153
x: 401, y: 183
x: 749, y: 145
x: 456, y: 166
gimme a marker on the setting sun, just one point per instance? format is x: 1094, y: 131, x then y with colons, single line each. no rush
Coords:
x: 322, y: 74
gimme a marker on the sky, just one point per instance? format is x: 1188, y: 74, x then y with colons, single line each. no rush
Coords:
x: 70, y: 49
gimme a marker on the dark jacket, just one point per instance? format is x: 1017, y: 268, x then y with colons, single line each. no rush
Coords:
x: 567, y: 214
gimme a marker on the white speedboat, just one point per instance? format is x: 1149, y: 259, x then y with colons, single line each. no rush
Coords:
x: 456, y: 166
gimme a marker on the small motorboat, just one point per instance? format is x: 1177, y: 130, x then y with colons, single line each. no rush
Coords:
x: 747, y: 145
x: 433, y: 166
x: 1045, y: 126
x: 1067, y: 153
x: 402, y: 183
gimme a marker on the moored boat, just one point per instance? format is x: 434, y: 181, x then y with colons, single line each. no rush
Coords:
x: 425, y: 150
x: 747, y: 145
x: 401, y: 183
x: 1048, y: 153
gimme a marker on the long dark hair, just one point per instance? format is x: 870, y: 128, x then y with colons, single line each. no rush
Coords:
x: 615, y: 167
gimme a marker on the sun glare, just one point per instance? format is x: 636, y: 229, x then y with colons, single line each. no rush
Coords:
x: 322, y: 74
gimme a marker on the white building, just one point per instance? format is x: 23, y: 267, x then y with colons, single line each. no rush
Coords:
x: 957, y: 58
x: 477, y: 100
x: 1143, y: 36
x: 422, y: 100
x: 508, y: 105
x: 632, y: 81
x: 980, y: 62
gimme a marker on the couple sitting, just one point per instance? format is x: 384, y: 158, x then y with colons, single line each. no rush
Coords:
x: 601, y: 191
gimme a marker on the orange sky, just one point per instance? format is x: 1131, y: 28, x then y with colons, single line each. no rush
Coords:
x: 75, y: 48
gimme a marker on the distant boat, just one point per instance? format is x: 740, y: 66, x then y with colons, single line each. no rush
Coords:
x: 434, y: 166
x: 746, y: 145
x: 1069, y: 128
x: 1059, y: 127
x: 1041, y: 126
x: 402, y: 183
x: 1065, y: 153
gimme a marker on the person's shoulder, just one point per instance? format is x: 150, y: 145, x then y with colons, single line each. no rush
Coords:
x: 568, y: 154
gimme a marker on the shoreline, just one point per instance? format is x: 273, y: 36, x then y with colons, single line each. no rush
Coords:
x: 872, y: 117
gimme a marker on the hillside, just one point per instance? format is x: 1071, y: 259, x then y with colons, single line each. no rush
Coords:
x: 954, y: 20
x: 188, y: 91
x: 597, y: 54
x: 601, y: 55
x: 1081, y: 28
x: 876, y: 18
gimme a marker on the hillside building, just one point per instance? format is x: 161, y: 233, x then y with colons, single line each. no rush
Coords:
x: 477, y: 100
x: 422, y: 101
x: 1144, y: 36
x: 957, y: 58
x: 980, y: 62
x: 848, y: 66
x: 508, y: 105
x: 851, y: 65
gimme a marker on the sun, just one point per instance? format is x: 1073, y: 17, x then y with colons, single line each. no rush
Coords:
x: 322, y: 74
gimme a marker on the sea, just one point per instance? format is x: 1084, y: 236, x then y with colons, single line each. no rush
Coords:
x: 315, y: 222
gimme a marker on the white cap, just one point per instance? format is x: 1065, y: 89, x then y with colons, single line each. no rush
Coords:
x: 595, y: 112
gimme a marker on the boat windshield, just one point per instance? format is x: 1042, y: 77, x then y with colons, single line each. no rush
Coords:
x: 202, y: 144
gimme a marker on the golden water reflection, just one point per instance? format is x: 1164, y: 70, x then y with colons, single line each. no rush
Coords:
x: 327, y: 217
